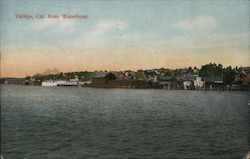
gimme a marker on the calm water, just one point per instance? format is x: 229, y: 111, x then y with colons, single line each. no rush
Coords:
x: 78, y: 123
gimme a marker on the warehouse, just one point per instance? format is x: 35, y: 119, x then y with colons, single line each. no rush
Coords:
x: 100, y: 80
x: 130, y: 83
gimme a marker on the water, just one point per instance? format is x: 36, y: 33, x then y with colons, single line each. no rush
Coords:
x: 77, y: 123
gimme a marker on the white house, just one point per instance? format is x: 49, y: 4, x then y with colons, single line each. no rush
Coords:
x: 198, y: 83
x: 187, y: 84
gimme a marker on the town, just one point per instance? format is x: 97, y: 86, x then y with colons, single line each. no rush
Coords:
x: 209, y: 77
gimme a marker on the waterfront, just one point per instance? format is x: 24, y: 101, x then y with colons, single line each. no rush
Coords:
x: 58, y: 122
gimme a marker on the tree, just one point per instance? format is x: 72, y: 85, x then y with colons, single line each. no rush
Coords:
x: 211, y: 70
x: 214, y: 70
x: 228, y: 75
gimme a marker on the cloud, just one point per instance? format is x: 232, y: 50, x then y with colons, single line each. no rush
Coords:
x: 104, y: 26
x: 59, y: 24
x: 101, y: 33
x: 108, y: 24
x: 200, y: 23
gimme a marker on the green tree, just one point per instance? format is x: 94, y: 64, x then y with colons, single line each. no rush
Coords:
x: 229, y: 74
x: 211, y: 70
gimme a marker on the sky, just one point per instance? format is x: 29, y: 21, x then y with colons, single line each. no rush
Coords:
x: 122, y: 35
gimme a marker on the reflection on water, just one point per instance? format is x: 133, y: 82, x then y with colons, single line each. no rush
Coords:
x: 72, y: 122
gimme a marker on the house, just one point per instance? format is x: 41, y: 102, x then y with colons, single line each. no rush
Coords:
x: 243, y: 76
x: 241, y: 81
x: 198, y: 83
x: 213, y: 83
x: 196, y: 70
x: 119, y: 75
x: 171, y: 82
x: 100, y: 80
x: 187, y: 85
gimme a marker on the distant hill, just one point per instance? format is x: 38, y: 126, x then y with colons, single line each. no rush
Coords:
x: 12, y: 80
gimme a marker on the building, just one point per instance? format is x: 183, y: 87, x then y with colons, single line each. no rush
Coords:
x: 100, y: 80
x: 130, y: 83
x: 198, y: 83
x: 171, y: 82
x: 241, y: 81
x: 187, y: 85
x: 213, y: 83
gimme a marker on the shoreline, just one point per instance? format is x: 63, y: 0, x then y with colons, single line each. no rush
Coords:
x: 133, y: 88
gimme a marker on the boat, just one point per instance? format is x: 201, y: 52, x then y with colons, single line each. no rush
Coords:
x: 49, y: 83
x: 66, y: 83
x: 52, y: 83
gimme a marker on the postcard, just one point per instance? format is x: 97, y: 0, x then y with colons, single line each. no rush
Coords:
x: 163, y: 79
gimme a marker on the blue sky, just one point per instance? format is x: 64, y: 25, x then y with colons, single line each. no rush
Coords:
x: 124, y: 34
